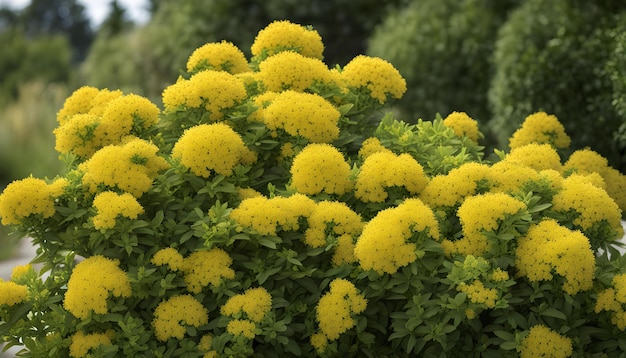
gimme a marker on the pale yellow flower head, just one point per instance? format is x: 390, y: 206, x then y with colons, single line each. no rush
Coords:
x: 379, y: 77
x: 540, y: 128
x: 219, y: 56
x: 463, y: 125
x: 320, y: 168
x: 171, y: 314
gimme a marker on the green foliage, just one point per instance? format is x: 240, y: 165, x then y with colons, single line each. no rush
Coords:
x: 25, y: 127
x: 442, y: 48
x: 552, y: 56
x: 23, y: 60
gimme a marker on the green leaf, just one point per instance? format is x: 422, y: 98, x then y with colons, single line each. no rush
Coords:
x: 553, y: 312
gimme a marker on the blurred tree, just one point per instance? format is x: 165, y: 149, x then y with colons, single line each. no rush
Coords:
x: 116, y: 21
x: 443, y: 49
x: 8, y: 18
x: 66, y: 17
x: 552, y: 56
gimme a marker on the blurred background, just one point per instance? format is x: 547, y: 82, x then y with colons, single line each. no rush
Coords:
x: 497, y: 60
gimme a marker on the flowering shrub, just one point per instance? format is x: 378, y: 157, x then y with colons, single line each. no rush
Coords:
x: 247, y: 221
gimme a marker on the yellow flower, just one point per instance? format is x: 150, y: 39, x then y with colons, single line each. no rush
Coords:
x: 616, y: 187
x: 376, y: 75
x: 261, y: 102
x: 370, y: 146
x: 541, y: 341
x: 283, y: 35
x: 319, y: 342
x: 91, y: 283
x: 205, y: 343
x: 82, y: 343
x: 540, y: 128
x: 101, y: 101
x: 30, y: 196
x: 478, y: 293
x: 592, y: 204
x: 383, y: 170
x: 449, y: 190
x: 78, y: 135
x: 130, y: 167
x: 291, y: 71
x: 172, y: 315
x: 389, y: 241
x: 241, y: 327
x: 331, y: 217
x: 536, y: 156
x: 585, y: 161
x: 129, y: 114
x: 79, y: 102
x: 483, y: 213
x: 613, y: 300
x: 463, y: 125
x: 320, y: 168
x: 336, y: 309
x: 549, y: 247
x: 303, y: 114
x: 12, y: 293
x: 508, y: 177
x: 344, y: 251
x: 110, y: 206
x: 203, y: 268
x: 168, y: 256
x: 215, y: 91
x: 267, y: 216
x: 20, y: 272
x: 254, y: 302
x: 210, y: 147
x: 219, y: 56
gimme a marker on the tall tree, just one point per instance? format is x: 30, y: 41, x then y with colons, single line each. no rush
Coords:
x: 67, y: 17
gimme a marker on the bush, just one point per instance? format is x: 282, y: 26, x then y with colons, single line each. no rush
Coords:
x: 443, y: 50
x: 237, y: 221
x: 552, y: 56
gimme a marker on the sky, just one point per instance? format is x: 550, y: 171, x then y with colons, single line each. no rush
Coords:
x: 97, y: 10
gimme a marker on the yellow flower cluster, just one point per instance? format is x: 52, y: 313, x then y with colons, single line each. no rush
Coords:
x: 283, y: 35
x: 370, y: 146
x: 549, y: 247
x: 331, y: 217
x: 203, y: 268
x: 21, y: 272
x: 592, y: 203
x: 215, y: 91
x: 303, y: 114
x: 200, y: 268
x: 483, y: 213
x: 118, y: 116
x: 613, y: 300
x: 267, y: 216
x: 540, y: 127
x: 12, y: 293
x: 129, y: 167
x: 387, y: 241
x: 91, y: 283
x: 318, y: 168
x: 383, y: 170
x: 541, y: 341
x: 478, y: 293
x: 255, y: 303
x: 210, y: 147
x: 241, y: 327
x: 449, y: 190
x: 85, y: 100
x: 336, y: 310
x: 168, y: 256
x: 587, y: 161
x: 463, y: 125
x: 292, y: 71
x: 219, y: 56
x: 376, y: 75
x: 30, y: 196
x: 509, y: 177
x: 82, y: 343
x: 261, y: 101
x: 110, y: 205
x: 172, y: 315
x: 536, y: 156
